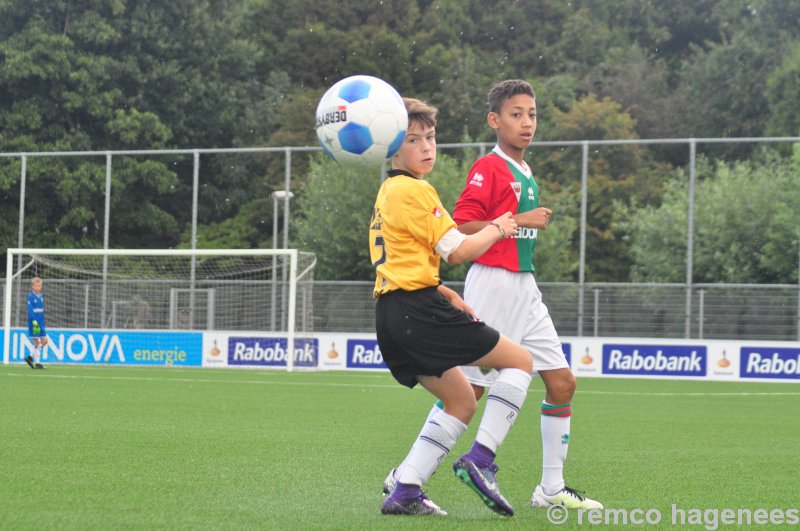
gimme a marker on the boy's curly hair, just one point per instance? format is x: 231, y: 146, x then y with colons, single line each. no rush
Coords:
x: 508, y: 89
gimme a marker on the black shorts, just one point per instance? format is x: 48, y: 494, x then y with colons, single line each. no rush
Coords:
x: 421, y: 334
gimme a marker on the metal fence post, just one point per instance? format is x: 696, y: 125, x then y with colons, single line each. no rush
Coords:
x: 690, y: 237
x: 584, y: 203
x: 596, y: 311
x: 701, y: 313
x: 106, y: 233
x: 23, y: 178
x: 195, y: 195
x: 288, y: 185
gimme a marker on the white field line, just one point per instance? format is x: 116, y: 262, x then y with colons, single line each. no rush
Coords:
x: 281, y: 381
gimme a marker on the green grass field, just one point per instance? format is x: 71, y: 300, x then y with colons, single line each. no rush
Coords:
x: 115, y: 448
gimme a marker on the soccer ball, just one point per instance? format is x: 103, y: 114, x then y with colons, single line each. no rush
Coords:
x: 361, y: 120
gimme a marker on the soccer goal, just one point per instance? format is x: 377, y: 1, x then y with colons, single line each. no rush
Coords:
x: 152, y: 306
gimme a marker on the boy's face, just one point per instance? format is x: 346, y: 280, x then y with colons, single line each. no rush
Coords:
x: 515, y: 124
x: 417, y: 154
x: 37, y: 286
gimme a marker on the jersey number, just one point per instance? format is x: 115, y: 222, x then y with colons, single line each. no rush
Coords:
x: 382, y: 259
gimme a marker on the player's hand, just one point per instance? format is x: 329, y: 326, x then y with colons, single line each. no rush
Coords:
x: 538, y: 218
x: 462, y: 305
x: 456, y: 300
x: 506, y: 221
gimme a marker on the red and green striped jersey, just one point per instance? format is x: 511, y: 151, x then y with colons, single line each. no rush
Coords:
x: 497, y: 184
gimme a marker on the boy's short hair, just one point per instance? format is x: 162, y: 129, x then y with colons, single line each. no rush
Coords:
x: 506, y: 90
x: 419, y: 111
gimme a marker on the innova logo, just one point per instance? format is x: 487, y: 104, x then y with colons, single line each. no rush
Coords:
x: 768, y: 362
x: 76, y: 347
x: 657, y: 360
x: 271, y: 351
x: 364, y: 354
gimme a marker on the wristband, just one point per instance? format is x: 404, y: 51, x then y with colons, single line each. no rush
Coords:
x: 500, y: 228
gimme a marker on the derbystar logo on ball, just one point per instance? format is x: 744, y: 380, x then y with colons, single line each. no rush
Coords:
x: 361, y: 120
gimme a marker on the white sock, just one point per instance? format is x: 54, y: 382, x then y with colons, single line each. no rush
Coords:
x: 555, y: 443
x: 435, y: 410
x: 505, y: 399
x: 435, y: 441
x: 36, y: 354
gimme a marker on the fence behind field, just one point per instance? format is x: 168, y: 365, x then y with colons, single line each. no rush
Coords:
x: 718, y: 311
x: 582, y: 308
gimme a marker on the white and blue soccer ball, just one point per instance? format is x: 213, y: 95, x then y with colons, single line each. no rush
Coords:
x: 361, y: 120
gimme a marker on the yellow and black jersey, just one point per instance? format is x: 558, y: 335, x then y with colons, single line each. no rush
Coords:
x: 407, y: 222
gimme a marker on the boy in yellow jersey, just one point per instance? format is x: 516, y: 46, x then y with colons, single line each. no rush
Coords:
x: 426, y: 331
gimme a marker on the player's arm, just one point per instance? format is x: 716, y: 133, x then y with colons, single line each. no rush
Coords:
x: 538, y: 218
x: 456, y: 300
x: 472, y: 246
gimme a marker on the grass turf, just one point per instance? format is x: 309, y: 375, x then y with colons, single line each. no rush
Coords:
x: 104, y: 447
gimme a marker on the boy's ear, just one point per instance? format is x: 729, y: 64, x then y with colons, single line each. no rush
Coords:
x: 493, y: 120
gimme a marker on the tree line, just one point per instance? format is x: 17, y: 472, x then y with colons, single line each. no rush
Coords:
x: 148, y: 74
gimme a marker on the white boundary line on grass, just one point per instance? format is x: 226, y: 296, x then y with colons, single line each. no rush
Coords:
x: 193, y: 380
x: 382, y: 386
x: 689, y: 393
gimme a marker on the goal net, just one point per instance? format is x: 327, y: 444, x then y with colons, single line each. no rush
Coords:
x: 163, y: 307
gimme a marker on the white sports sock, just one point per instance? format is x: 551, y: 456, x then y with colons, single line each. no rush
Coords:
x: 435, y: 441
x: 505, y: 399
x: 36, y: 354
x: 555, y: 443
x: 435, y: 410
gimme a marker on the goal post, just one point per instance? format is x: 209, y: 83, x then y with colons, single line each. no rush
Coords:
x: 174, y: 295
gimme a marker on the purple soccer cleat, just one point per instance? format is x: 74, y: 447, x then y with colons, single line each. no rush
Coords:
x: 484, y: 483
x: 400, y: 502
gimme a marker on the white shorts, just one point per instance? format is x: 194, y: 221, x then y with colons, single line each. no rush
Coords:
x: 512, y: 304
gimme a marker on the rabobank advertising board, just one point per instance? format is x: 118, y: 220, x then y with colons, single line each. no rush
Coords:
x: 770, y: 363
x: 113, y: 347
x: 364, y: 354
x: 259, y: 350
x: 655, y: 360
x: 271, y: 351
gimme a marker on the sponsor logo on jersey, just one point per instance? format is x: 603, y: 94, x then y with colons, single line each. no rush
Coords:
x: 531, y: 197
x: 477, y: 180
x: 364, y: 354
x: 438, y: 211
x: 657, y: 360
x: 332, y: 115
x: 768, y: 362
x: 517, y: 187
x: 271, y: 351
x: 526, y: 233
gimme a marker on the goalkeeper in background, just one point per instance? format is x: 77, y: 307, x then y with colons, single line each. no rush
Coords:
x: 36, y: 325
